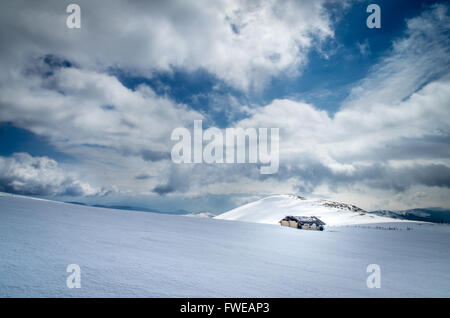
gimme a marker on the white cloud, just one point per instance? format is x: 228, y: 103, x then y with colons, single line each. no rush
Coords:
x: 24, y: 174
x: 390, y: 135
x: 241, y: 42
x: 80, y: 107
x: 415, y: 60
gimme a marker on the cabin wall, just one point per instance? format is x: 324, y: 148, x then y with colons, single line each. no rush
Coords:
x: 296, y: 225
x: 313, y: 227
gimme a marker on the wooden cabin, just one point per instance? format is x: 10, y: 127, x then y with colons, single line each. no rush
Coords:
x: 303, y: 222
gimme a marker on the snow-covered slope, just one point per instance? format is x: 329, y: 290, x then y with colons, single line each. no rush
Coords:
x: 272, y: 209
x: 141, y: 254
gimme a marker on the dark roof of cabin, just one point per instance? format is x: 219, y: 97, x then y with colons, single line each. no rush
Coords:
x: 304, y: 219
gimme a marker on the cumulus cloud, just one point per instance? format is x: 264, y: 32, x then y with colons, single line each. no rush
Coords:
x: 241, y: 42
x: 22, y: 173
x: 56, y: 81
x: 68, y: 105
x: 391, y: 134
x: 393, y: 130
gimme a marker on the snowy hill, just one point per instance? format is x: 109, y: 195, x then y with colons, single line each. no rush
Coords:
x: 272, y: 209
x: 141, y: 254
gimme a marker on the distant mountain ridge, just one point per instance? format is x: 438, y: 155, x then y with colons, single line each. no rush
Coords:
x: 434, y: 215
x: 201, y: 215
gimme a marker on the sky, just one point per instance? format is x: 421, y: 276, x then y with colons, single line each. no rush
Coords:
x: 86, y: 114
